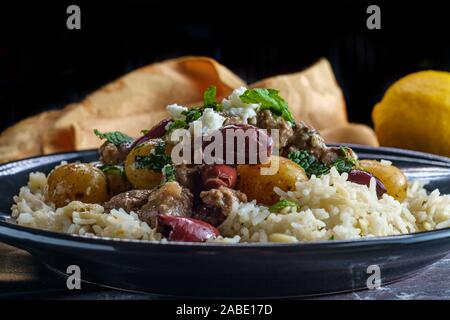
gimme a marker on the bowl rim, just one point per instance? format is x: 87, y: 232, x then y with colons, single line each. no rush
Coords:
x: 11, y: 232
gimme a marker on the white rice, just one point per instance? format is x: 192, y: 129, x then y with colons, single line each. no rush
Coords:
x: 329, y: 207
x: 76, y: 218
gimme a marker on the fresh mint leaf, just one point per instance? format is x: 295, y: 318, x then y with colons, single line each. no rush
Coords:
x: 280, y: 205
x: 209, y: 96
x: 269, y: 99
x: 115, y: 137
x: 210, y: 99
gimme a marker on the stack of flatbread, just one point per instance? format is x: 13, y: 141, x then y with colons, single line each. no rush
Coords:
x: 138, y: 100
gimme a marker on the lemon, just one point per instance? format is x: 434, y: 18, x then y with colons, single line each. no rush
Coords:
x: 415, y: 113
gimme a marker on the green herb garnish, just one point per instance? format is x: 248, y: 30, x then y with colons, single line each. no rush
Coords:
x: 145, y: 131
x: 309, y: 163
x: 280, y: 205
x: 156, y: 160
x: 209, y: 99
x: 269, y: 99
x: 169, y: 173
x: 312, y: 166
x: 192, y: 114
x: 108, y: 169
x: 115, y: 137
x: 209, y: 96
x: 345, y: 163
x: 177, y: 124
x: 331, y: 238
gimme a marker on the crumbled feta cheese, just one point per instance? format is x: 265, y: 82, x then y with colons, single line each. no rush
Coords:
x: 209, y: 121
x: 175, y: 111
x: 234, y: 105
x: 386, y: 162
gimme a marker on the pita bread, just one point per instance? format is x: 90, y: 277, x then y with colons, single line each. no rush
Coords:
x: 22, y: 140
x: 138, y: 100
x: 351, y: 133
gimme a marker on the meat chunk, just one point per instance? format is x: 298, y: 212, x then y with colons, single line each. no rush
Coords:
x: 218, y: 203
x: 305, y: 137
x: 299, y: 137
x: 112, y: 154
x: 266, y: 120
x: 117, y: 182
x: 188, y: 176
x: 129, y: 201
x: 168, y: 199
x: 210, y: 214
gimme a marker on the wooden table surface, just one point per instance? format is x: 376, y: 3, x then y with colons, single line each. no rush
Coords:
x: 21, y: 276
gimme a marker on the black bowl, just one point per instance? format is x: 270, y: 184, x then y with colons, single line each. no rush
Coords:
x: 231, y: 270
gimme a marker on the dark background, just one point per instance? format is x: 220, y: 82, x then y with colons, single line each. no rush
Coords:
x: 44, y: 65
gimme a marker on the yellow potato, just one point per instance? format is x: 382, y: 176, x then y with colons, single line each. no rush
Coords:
x: 260, y: 187
x: 140, y: 176
x: 392, y: 177
x: 76, y: 181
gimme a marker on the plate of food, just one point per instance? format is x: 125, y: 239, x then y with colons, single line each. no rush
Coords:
x: 230, y: 198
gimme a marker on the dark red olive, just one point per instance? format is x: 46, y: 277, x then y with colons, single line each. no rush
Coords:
x: 248, y: 145
x: 187, y: 229
x: 363, y: 177
x: 217, y: 175
x: 157, y: 131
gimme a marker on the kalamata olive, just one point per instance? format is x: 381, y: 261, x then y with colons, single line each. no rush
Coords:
x: 210, y: 214
x: 363, y: 177
x: 246, y: 145
x: 217, y: 175
x: 187, y: 229
x: 157, y: 131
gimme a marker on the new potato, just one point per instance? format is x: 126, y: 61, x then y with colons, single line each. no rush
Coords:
x: 260, y: 187
x: 76, y: 181
x: 392, y: 177
x: 142, y: 178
